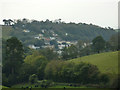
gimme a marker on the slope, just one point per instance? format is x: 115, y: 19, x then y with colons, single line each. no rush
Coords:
x: 106, y: 62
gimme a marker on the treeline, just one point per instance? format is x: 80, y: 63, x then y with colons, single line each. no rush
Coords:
x: 80, y: 31
x: 21, y: 65
x: 81, y: 73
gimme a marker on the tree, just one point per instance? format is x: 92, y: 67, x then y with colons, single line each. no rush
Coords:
x: 83, y: 73
x: 53, y: 69
x: 49, y: 54
x: 25, y: 71
x: 80, y: 44
x: 70, y: 52
x: 98, y: 44
x: 14, y: 55
x: 5, y: 21
x: 36, y: 59
x: 9, y: 21
x: 13, y: 59
x: 40, y: 71
x: 37, y: 62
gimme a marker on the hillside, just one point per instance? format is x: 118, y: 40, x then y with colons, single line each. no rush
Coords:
x: 106, y: 62
x: 60, y: 31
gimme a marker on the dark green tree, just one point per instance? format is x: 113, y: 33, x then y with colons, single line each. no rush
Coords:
x: 13, y: 60
x: 49, y: 54
x: 98, y: 44
x: 70, y: 52
x: 25, y: 71
x: 14, y: 56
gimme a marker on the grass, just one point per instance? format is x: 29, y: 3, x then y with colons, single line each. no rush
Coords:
x: 3, y: 86
x: 24, y: 85
x: 106, y: 62
x: 56, y: 86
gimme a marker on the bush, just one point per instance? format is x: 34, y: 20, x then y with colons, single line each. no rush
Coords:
x: 68, y: 72
x: 33, y: 79
x: 46, y: 83
x: 104, y: 79
x: 115, y: 83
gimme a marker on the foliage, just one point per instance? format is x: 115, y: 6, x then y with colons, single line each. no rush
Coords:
x: 80, y: 31
x: 40, y: 71
x: 33, y: 78
x: 46, y: 83
x: 82, y: 73
x: 106, y: 62
x: 49, y: 54
x: 52, y: 69
x: 35, y: 59
x: 98, y: 44
x: 25, y: 71
x: 37, y: 63
x: 13, y: 59
x: 70, y: 52
x: 115, y: 83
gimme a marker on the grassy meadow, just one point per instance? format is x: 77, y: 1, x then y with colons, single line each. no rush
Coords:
x: 106, y: 62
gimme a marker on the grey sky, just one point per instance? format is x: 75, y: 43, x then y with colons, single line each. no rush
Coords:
x: 100, y: 12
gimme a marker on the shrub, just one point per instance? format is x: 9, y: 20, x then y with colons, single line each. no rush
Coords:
x: 68, y: 72
x: 46, y: 83
x: 104, y: 79
x: 33, y: 79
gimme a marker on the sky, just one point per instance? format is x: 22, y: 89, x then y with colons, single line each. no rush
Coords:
x: 99, y: 12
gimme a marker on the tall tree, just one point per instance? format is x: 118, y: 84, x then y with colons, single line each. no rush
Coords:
x: 98, y: 44
x: 14, y: 56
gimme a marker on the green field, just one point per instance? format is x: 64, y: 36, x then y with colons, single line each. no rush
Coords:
x: 56, y: 86
x: 3, y: 86
x: 106, y: 62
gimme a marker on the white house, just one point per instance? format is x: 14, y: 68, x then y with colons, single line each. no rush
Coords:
x: 26, y: 31
x: 33, y: 47
x: 52, y: 38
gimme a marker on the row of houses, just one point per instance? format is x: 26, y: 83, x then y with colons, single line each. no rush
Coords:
x: 60, y: 43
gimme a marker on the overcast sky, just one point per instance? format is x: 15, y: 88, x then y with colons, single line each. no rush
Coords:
x: 100, y: 12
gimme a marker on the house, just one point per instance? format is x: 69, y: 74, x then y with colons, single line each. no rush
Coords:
x: 66, y: 34
x: 37, y: 37
x: 55, y: 35
x: 33, y: 47
x: 52, y: 38
x: 48, y: 46
x: 40, y: 35
x: 43, y: 31
x: 26, y: 31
